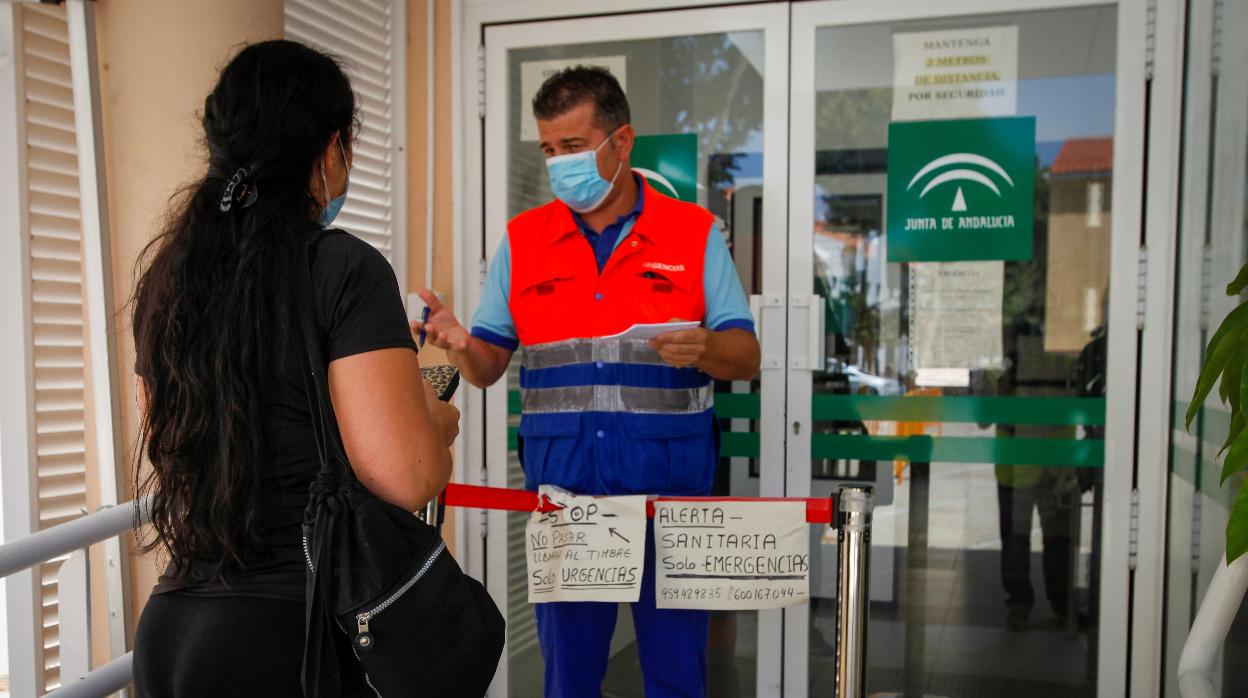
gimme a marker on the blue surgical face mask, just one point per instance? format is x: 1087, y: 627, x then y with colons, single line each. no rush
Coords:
x: 335, y: 204
x: 574, y: 179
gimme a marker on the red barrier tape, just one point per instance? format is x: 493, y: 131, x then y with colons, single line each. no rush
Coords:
x: 818, y: 509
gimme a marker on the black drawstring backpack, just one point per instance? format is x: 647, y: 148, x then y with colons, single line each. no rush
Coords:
x: 389, y: 611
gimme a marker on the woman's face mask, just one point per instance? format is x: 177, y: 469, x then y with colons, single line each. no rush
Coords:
x: 574, y: 179
x: 334, y: 205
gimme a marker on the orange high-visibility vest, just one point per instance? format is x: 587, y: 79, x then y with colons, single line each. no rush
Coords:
x: 654, y: 274
x: 608, y: 416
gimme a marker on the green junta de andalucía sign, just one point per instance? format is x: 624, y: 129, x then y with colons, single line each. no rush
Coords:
x: 961, y: 190
x: 670, y: 163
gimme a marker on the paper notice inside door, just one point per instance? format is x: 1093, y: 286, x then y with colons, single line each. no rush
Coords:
x: 592, y: 549
x: 725, y: 555
x: 956, y: 320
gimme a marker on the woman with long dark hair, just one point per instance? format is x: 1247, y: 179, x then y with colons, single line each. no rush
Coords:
x: 226, y: 424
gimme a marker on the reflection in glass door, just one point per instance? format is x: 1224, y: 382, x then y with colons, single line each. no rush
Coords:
x: 950, y: 236
x: 709, y: 94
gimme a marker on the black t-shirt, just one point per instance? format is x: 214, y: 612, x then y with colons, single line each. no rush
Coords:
x: 359, y: 309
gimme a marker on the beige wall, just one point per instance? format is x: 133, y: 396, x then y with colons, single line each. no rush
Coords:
x: 417, y: 109
x: 418, y: 154
x: 158, y: 60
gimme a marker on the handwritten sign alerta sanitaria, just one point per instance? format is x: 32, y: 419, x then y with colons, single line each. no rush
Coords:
x: 731, y: 555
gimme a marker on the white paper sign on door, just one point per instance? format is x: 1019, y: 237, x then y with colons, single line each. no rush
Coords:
x: 592, y: 549
x: 724, y: 555
x: 955, y: 320
x: 955, y: 73
x: 534, y: 73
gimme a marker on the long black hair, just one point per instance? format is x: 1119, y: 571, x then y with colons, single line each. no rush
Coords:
x: 213, y: 301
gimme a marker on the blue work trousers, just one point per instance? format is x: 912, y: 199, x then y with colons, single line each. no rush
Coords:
x: 575, y: 637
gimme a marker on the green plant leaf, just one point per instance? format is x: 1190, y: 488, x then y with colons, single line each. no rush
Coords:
x: 1237, y: 428
x: 1239, y: 284
x: 1239, y: 364
x: 1229, y: 387
x: 1237, y: 319
x: 1237, y: 526
x: 1216, y: 359
x: 1236, y: 457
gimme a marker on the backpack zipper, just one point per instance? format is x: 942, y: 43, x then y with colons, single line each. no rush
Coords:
x: 307, y: 555
x: 363, y: 638
x: 363, y: 618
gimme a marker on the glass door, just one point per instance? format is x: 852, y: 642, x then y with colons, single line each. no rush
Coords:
x: 1212, y: 246
x: 709, y: 86
x: 952, y: 231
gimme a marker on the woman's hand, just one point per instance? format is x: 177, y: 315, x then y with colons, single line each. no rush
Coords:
x: 394, y: 429
x: 444, y: 415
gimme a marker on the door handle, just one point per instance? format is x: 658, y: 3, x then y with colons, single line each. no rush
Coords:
x: 759, y: 303
x: 815, y: 333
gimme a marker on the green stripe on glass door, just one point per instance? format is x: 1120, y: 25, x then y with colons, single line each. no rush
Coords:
x: 1062, y: 411
x: 732, y: 444
x: 1086, y: 453
x: 737, y: 406
x: 1077, y: 453
x: 948, y: 449
x: 737, y: 444
x: 1065, y: 411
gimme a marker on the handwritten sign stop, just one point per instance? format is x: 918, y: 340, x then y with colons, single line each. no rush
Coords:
x: 592, y: 549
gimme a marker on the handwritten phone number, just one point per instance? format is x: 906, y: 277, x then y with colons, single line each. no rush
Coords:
x: 693, y: 594
x: 765, y: 594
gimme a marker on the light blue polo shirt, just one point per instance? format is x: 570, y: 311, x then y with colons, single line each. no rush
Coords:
x: 726, y: 305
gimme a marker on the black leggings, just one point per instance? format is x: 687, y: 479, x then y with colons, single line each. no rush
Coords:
x: 190, y: 646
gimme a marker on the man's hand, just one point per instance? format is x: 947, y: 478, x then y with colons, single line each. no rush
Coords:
x: 480, y: 363
x: 732, y: 354
x: 442, y: 329
x: 683, y: 348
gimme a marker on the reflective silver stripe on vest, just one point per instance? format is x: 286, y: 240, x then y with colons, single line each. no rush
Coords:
x: 588, y: 351
x: 617, y: 398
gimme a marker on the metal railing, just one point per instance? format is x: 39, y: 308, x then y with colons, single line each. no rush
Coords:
x: 72, y: 539
x: 1199, y: 658
x: 853, y: 524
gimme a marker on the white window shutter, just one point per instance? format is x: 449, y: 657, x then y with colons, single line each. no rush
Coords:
x: 366, y: 35
x: 57, y: 304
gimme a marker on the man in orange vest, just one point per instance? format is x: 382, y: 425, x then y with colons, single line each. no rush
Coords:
x: 605, y: 415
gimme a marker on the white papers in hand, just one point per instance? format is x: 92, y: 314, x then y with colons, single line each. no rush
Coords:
x: 652, y: 330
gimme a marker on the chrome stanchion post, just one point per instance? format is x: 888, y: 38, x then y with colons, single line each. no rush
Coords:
x: 853, y: 592
x: 433, y: 512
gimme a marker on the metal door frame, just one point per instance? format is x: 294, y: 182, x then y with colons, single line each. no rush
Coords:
x: 1125, y: 292
x: 491, y: 408
x: 1134, y: 292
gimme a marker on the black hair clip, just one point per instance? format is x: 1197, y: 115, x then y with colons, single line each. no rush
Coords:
x: 246, y: 195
